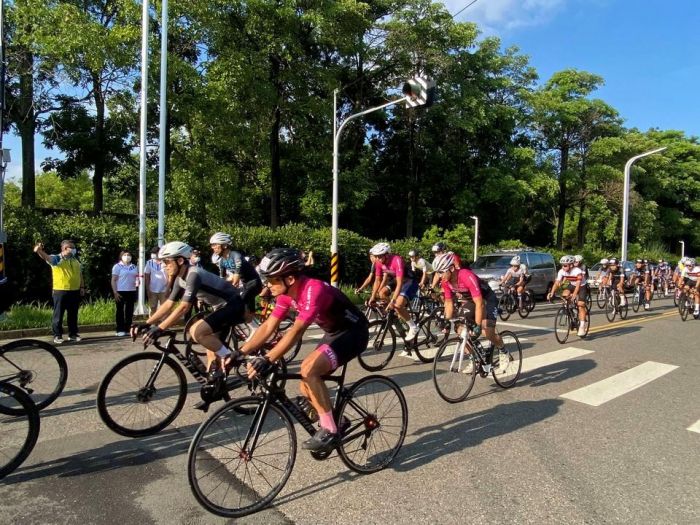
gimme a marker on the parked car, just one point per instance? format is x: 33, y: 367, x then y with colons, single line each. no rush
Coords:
x: 594, y: 274
x: 493, y: 266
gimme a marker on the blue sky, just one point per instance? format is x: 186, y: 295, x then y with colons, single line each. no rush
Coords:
x: 647, y: 52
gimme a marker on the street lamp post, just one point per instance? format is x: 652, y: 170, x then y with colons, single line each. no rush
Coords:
x: 682, y: 243
x: 626, y: 197
x: 476, y: 236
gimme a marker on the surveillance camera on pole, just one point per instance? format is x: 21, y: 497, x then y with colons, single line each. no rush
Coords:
x: 419, y: 91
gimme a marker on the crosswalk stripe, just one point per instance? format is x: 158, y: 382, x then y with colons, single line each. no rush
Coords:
x: 526, y: 326
x: 695, y: 427
x: 550, y: 358
x: 619, y: 384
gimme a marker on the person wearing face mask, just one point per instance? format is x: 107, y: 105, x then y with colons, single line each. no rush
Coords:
x: 68, y: 287
x: 156, y: 281
x: 124, y: 282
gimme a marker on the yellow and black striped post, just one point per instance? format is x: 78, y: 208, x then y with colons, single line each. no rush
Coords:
x: 2, y: 263
x: 334, y: 269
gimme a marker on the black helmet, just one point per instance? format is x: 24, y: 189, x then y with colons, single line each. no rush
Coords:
x: 281, y: 262
x: 439, y: 247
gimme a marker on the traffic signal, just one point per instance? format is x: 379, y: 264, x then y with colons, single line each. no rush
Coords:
x: 419, y: 91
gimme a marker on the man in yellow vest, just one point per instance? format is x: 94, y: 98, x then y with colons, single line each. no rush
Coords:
x: 68, y: 286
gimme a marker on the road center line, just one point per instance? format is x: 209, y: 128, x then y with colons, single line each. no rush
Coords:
x: 626, y: 322
x: 526, y: 326
x: 619, y: 384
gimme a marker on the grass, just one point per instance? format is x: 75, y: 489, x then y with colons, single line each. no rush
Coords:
x: 38, y: 315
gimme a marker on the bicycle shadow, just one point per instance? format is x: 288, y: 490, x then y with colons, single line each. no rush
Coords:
x: 613, y: 332
x: 470, y: 430
x: 555, y: 373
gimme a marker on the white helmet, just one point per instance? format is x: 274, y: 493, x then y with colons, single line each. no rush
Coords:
x: 413, y: 253
x: 175, y: 249
x: 443, y: 262
x: 220, y: 238
x: 578, y: 258
x: 381, y: 248
x: 604, y: 261
x: 691, y: 261
x: 566, y: 259
x: 515, y: 260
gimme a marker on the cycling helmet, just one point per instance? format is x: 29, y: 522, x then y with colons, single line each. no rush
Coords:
x: 578, y: 258
x: 691, y: 262
x: 443, y: 262
x: 439, y: 247
x: 220, y: 238
x: 613, y: 261
x: 661, y: 261
x: 413, y: 253
x: 381, y: 248
x: 515, y: 260
x: 639, y: 261
x: 604, y: 261
x: 566, y: 259
x: 281, y: 262
x: 175, y: 249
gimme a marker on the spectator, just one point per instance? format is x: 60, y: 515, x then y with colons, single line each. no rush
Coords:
x: 68, y: 287
x: 196, y: 258
x: 124, y: 282
x: 156, y: 281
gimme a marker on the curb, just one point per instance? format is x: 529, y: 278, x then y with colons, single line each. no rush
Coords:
x: 34, y: 332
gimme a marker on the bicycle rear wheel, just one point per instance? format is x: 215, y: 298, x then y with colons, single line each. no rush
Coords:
x: 601, y: 297
x: 134, y: 403
x: 428, y: 340
x: 231, y: 475
x: 611, y: 307
x: 19, y: 427
x: 504, y: 306
x: 381, y: 347
x: 684, y: 307
x: 378, y: 417
x: 454, y: 374
x: 528, y: 304
x: 36, y: 367
x: 562, y: 325
x: 506, y: 375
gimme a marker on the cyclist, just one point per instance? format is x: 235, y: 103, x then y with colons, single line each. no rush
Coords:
x: 515, y: 277
x: 642, y: 275
x: 573, y: 280
x: 690, y: 279
x: 237, y: 270
x: 604, y: 270
x: 615, y: 278
x: 422, y: 269
x: 405, y: 289
x: 345, y: 334
x: 480, y: 299
x: 190, y: 284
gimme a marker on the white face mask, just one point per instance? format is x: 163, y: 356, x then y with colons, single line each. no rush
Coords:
x: 154, y: 256
x: 195, y: 260
x: 126, y: 259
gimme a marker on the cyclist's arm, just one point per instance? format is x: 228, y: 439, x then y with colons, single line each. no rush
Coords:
x: 375, y: 288
x: 479, y: 310
x: 261, y: 335
x: 505, y: 277
x: 366, y: 281
x: 289, y: 339
x: 555, y: 287
x: 176, y: 314
x: 397, y: 290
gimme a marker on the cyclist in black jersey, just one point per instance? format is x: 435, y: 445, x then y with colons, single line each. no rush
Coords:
x: 190, y: 284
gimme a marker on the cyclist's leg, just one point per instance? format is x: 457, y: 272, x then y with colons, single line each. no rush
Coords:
x: 488, y: 323
x: 408, y: 291
x: 206, y: 331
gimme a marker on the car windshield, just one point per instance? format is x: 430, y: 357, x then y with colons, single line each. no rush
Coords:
x: 487, y: 262
x: 595, y: 267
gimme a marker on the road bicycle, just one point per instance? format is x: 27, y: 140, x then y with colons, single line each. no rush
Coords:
x: 639, y: 297
x: 602, y: 296
x: 383, y: 334
x: 242, y: 456
x: 37, y: 367
x: 144, y: 392
x: 509, y: 302
x: 686, y: 304
x: 616, y: 304
x: 566, y: 320
x: 461, y: 357
x: 19, y: 427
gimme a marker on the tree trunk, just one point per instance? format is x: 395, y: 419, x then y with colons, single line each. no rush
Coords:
x: 99, y: 173
x: 26, y: 124
x: 563, y: 168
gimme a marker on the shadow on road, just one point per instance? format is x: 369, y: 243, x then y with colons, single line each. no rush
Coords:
x: 555, y: 373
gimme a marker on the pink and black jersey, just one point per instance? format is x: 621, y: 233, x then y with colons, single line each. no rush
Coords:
x: 394, y: 267
x: 467, y: 283
x: 317, y: 301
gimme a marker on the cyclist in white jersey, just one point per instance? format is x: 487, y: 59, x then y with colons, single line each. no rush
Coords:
x: 573, y: 280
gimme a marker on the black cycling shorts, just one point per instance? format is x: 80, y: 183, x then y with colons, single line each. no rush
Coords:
x: 250, y: 290
x: 491, y: 305
x: 225, y: 317
x: 346, y: 344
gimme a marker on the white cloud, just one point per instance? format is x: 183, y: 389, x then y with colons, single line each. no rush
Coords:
x: 497, y: 17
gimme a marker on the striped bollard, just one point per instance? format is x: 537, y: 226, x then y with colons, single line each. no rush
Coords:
x: 334, y: 269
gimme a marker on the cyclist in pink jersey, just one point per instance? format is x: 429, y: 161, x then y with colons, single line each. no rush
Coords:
x: 386, y: 266
x: 480, y: 299
x: 345, y: 334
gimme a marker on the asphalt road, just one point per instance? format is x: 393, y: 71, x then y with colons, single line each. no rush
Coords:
x: 596, y: 431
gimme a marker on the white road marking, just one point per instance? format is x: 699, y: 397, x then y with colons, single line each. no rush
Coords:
x: 430, y: 352
x: 619, y: 384
x: 526, y: 326
x: 550, y: 358
x: 695, y: 427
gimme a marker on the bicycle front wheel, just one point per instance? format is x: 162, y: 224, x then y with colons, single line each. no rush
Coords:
x: 454, y: 372
x: 381, y: 347
x: 528, y: 304
x: 428, y: 340
x: 504, y: 306
x: 636, y: 301
x: 684, y: 307
x: 241, y: 457
x: 507, y: 371
x: 19, y: 427
x: 601, y: 297
x: 137, y: 399
x: 562, y: 325
x: 376, y: 411
x: 36, y: 367
x: 611, y: 307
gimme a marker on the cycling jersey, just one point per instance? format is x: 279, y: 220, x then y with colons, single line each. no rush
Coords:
x: 574, y: 276
x: 616, y: 275
x: 320, y: 302
x: 515, y: 275
x: 203, y: 286
x: 394, y: 267
x: 640, y: 273
x: 467, y: 283
x: 421, y: 265
x: 236, y: 264
x: 691, y: 273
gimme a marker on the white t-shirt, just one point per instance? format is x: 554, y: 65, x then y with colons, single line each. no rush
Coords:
x: 574, y: 276
x: 159, y: 281
x: 126, y: 276
x: 422, y: 265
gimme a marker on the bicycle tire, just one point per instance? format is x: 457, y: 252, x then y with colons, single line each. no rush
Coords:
x: 601, y: 298
x: 623, y: 309
x: 562, y: 325
x: 109, y: 405
x: 17, y: 441
x: 380, y: 351
x: 232, y: 423
x: 527, y: 306
x: 428, y: 340
x: 684, y: 307
x: 514, y: 353
x: 42, y: 370
x: 289, y: 356
x: 378, y: 414
x: 453, y: 379
x: 611, y: 307
x: 589, y: 300
x: 636, y: 300
x: 504, y: 307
